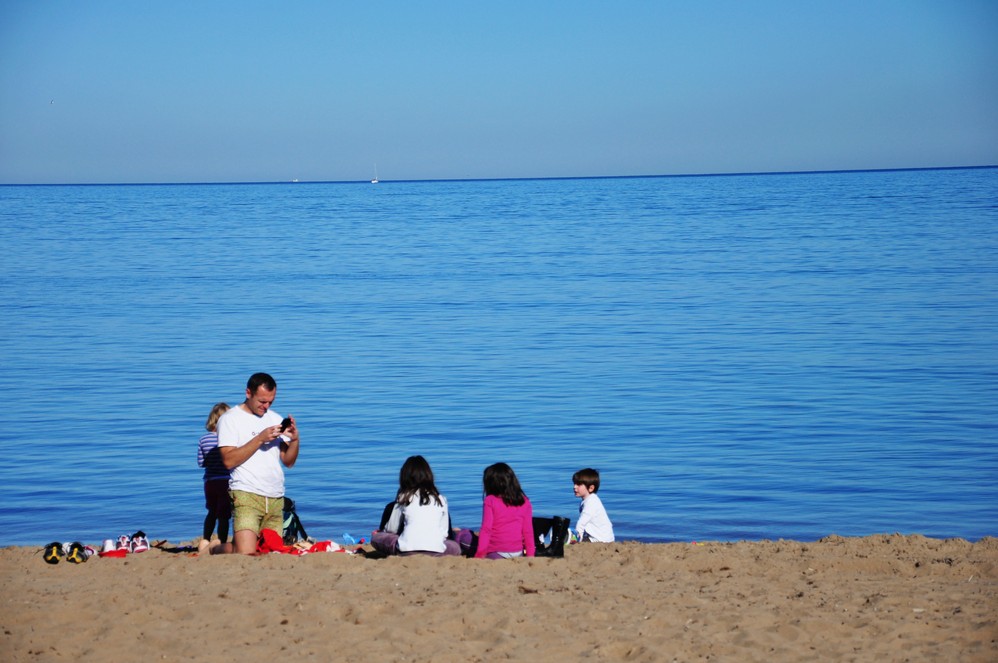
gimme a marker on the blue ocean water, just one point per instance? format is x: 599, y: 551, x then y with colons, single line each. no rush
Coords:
x: 742, y: 357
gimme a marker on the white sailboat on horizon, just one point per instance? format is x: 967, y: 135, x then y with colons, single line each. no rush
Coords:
x: 375, y: 180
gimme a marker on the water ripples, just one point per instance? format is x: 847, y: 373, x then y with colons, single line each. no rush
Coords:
x: 741, y: 357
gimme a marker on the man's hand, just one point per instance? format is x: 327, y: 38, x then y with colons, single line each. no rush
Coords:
x: 233, y: 457
x: 292, y: 430
x: 267, y: 435
x: 289, y: 449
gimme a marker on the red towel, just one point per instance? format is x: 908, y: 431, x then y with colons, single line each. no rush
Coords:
x: 271, y: 542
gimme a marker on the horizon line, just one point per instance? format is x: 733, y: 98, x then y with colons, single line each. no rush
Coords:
x: 512, y: 179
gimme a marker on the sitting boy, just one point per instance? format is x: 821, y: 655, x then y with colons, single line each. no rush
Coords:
x: 594, y: 524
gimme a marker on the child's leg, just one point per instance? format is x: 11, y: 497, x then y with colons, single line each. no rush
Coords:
x: 209, y: 504
x: 209, y: 525
x: 219, y: 505
x: 385, y: 542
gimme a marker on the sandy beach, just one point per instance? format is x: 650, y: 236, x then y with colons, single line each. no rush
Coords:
x: 878, y: 598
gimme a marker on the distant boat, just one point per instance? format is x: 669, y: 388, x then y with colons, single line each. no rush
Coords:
x: 375, y: 180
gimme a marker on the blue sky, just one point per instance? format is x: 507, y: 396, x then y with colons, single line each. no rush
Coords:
x: 104, y: 91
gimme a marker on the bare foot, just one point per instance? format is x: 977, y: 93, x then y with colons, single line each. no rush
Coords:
x: 203, y: 545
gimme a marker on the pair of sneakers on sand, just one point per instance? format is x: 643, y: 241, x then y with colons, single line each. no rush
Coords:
x: 125, y: 544
x: 74, y: 552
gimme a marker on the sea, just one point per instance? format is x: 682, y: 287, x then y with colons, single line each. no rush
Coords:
x: 741, y: 357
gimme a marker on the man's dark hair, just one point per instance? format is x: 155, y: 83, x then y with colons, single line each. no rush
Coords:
x: 258, y: 380
x: 588, y: 478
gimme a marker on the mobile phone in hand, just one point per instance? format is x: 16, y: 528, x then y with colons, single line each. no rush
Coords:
x: 285, y: 424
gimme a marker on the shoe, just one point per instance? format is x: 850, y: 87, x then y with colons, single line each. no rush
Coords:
x: 559, y: 535
x: 76, y: 554
x: 111, y: 549
x: 52, y: 552
x: 140, y: 543
x: 124, y: 543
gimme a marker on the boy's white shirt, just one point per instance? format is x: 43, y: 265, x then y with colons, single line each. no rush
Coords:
x: 594, y: 521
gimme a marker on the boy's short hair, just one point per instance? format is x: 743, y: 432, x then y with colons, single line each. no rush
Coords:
x: 587, y: 477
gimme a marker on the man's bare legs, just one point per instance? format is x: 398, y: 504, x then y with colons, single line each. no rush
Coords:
x: 245, y: 542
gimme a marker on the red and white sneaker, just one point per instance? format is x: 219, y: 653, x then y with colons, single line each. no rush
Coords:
x: 140, y: 543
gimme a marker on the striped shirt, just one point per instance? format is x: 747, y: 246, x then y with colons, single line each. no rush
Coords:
x: 210, y: 458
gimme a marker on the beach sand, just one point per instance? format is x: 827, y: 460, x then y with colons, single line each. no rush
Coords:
x: 877, y: 598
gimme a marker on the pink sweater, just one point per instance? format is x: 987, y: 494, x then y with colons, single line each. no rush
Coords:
x: 506, y: 528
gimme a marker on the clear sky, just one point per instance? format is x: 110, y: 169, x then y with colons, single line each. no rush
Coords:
x: 115, y: 91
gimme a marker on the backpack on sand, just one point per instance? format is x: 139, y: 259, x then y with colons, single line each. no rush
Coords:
x: 293, y: 529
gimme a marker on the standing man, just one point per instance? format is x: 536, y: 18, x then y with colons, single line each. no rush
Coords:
x: 254, y: 443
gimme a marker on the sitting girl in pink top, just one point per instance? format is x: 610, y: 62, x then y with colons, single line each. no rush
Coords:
x: 507, y: 518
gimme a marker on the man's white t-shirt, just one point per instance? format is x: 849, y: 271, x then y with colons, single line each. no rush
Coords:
x: 262, y: 473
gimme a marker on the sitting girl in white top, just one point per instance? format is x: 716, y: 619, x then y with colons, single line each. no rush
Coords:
x: 417, y: 521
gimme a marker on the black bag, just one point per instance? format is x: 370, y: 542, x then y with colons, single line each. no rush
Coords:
x: 294, y: 531
x: 558, y: 527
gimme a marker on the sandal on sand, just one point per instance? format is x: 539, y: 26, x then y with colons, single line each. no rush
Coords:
x: 52, y: 552
x: 76, y: 554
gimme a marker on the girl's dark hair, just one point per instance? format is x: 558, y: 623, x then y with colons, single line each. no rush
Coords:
x: 416, y: 476
x: 500, y: 480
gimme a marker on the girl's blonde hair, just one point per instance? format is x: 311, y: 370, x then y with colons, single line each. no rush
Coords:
x: 216, y: 412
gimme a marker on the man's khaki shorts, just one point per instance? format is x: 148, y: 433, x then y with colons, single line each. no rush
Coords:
x: 256, y: 512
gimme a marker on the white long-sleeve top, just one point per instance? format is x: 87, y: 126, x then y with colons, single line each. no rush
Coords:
x: 594, y: 521
x: 425, y: 525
